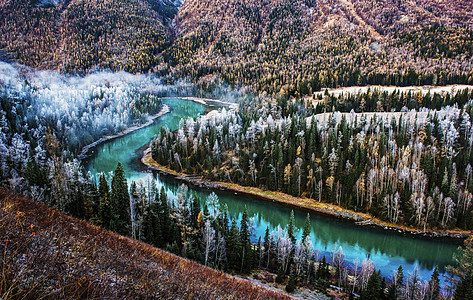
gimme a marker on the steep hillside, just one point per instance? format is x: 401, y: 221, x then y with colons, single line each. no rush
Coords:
x: 46, y: 254
x: 77, y: 35
x: 301, y: 45
x: 290, y: 47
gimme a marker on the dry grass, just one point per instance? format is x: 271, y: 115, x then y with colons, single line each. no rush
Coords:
x: 46, y: 254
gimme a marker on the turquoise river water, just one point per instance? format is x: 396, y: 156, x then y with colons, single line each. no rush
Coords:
x: 386, y: 249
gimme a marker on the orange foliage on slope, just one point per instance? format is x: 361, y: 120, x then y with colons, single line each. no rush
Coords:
x: 45, y: 253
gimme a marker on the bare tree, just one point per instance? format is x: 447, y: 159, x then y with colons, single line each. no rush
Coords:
x: 208, y: 239
x: 367, y: 268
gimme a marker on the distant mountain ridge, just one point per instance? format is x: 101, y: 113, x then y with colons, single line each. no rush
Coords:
x: 283, y: 46
x: 297, y: 46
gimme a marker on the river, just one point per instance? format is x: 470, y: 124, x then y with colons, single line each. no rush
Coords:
x: 388, y: 250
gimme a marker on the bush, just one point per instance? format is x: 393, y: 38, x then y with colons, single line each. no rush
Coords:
x: 291, y: 285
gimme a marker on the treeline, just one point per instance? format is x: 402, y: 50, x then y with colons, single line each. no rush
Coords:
x: 374, y: 100
x: 408, y: 168
x: 312, y: 79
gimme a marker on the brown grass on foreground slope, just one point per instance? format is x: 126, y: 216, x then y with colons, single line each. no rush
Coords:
x: 46, y: 254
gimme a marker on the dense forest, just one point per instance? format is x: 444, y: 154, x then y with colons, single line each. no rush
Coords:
x: 77, y: 36
x: 41, y: 133
x: 46, y: 118
x: 295, y: 48
x: 279, y: 47
x: 410, y: 167
x: 211, y: 237
x: 403, y: 157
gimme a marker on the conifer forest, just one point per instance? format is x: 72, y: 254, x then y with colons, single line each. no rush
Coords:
x: 303, y: 149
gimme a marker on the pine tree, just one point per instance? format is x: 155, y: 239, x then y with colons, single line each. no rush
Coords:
x: 164, y: 218
x: 322, y: 275
x: 281, y: 275
x: 267, y: 247
x: 246, y: 255
x: 195, y: 211
x: 373, y: 290
x: 391, y: 292
x: 233, y: 247
x: 120, y: 201
x: 322, y: 271
x: 291, y: 285
x: 464, y: 271
x: 291, y: 228
x: 151, y: 228
x: 306, y: 231
x: 434, y: 285
x: 464, y: 290
x: 105, y: 213
x: 225, y: 222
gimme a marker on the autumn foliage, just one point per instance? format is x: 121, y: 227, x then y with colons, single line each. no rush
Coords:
x: 45, y: 253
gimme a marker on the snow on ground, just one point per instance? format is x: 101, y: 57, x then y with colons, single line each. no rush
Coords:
x: 414, y: 117
x: 390, y: 89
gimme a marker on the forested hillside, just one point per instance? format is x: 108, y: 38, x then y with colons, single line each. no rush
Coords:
x: 287, y: 47
x: 296, y: 47
x: 407, y: 167
x: 79, y: 35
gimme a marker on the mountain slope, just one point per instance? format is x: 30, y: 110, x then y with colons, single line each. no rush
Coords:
x: 77, y: 35
x: 300, y: 45
x: 292, y: 47
x: 46, y: 254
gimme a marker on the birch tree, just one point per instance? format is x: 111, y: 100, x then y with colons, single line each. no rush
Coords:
x: 208, y: 239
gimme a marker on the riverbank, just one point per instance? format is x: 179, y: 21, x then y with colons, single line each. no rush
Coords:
x: 86, y: 149
x: 331, y: 210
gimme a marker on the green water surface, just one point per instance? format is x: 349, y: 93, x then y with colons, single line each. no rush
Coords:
x: 386, y: 249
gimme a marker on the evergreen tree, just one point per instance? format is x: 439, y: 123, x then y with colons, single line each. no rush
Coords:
x: 151, y: 227
x: 246, y: 255
x: 322, y: 275
x: 464, y: 290
x: 233, y: 247
x: 195, y: 211
x: 225, y: 222
x: 267, y: 247
x: 464, y: 271
x: 306, y: 231
x: 164, y: 218
x: 281, y: 275
x: 322, y: 271
x: 400, y: 277
x: 291, y: 285
x: 120, y: 202
x: 105, y: 213
x: 434, y: 285
x: 373, y: 289
x: 291, y: 228
x: 391, y: 292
